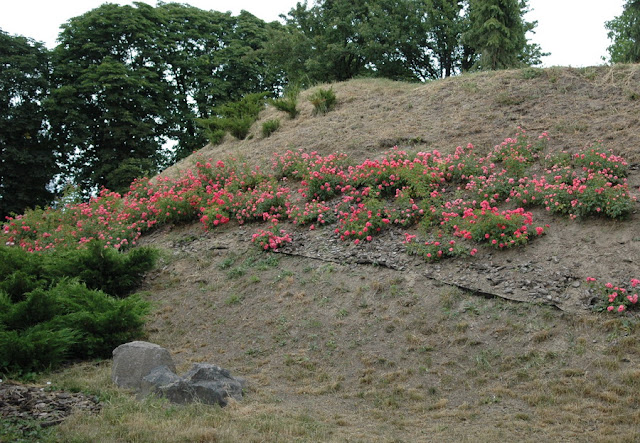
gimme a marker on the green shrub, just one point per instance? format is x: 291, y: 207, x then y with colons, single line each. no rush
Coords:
x: 108, y: 270
x: 35, y: 349
x: 288, y: 102
x: 288, y: 105
x: 59, y: 305
x: 235, y: 118
x: 323, y: 100
x: 66, y: 321
x: 269, y: 127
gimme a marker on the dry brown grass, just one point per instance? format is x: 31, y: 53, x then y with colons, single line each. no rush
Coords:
x: 345, y: 352
x: 576, y: 106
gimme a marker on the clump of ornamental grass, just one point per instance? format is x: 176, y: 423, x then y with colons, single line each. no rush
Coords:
x: 269, y: 127
x: 323, y: 101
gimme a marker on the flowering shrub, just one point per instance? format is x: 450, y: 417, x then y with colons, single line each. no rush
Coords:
x: 593, y: 184
x: 503, y: 229
x: 270, y: 239
x: 460, y: 195
x: 313, y: 213
x: 605, y: 163
x: 615, y: 298
x: 362, y: 221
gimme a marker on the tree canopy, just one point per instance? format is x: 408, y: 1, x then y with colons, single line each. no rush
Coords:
x: 625, y: 33
x: 123, y: 92
x: 497, y: 34
x: 27, y: 158
x: 130, y: 79
x: 409, y: 40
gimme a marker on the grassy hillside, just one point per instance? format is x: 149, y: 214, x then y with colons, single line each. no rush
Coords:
x: 361, y: 342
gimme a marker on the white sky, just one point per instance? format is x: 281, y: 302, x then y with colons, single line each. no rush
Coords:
x: 572, y: 30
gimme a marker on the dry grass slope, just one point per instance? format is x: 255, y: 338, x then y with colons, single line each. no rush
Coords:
x: 348, y: 352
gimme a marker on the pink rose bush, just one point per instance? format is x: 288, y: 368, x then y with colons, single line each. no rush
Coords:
x: 615, y: 298
x: 449, y: 205
x: 270, y: 239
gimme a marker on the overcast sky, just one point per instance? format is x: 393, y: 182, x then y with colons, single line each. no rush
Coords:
x: 572, y: 30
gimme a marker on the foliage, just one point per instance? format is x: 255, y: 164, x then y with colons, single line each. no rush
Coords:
x: 64, y: 306
x: 503, y: 229
x: 470, y: 199
x: 103, y: 268
x: 436, y: 250
x: 624, y: 31
x: 289, y: 101
x: 323, y: 101
x: 27, y: 157
x: 338, y: 40
x: 425, y: 188
x: 614, y: 298
x: 445, y: 24
x: 288, y: 104
x: 497, y: 34
x: 129, y: 170
x: 235, y: 118
x: 270, y: 126
x: 402, y: 40
x: 270, y: 239
x: 129, y: 78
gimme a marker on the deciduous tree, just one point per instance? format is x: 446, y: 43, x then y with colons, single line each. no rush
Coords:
x: 624, y: 31
x: 129, y: 80
x: 27, y: 158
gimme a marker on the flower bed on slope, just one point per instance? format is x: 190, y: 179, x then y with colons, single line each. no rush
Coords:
x: 459, y: 201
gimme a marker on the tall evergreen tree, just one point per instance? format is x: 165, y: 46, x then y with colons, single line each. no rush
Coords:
x: 625, y: 33
x: 496, y: 35
x: 27, y: 158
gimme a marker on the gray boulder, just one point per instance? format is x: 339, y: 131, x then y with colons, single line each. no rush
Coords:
x: 206, y: 383
x: 135, y: 360
x: 159, y: 376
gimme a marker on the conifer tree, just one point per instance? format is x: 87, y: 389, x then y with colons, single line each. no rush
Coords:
x: 496, y: 33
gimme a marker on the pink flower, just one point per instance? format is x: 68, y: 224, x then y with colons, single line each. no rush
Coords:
x: 610, y: 308
x: 620, y: 308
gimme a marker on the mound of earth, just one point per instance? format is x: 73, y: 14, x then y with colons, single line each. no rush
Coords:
x: 577, y: 107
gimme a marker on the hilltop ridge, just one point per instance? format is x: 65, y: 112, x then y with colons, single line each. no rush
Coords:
x: 576, y: 106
